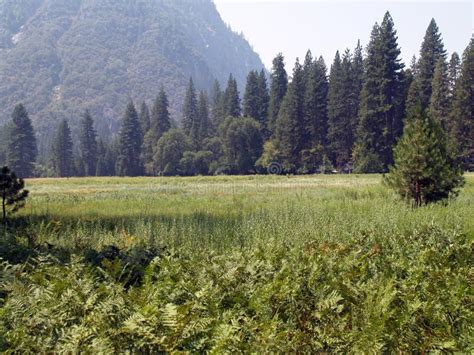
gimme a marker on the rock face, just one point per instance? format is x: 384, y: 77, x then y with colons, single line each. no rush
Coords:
x: 60, y: 57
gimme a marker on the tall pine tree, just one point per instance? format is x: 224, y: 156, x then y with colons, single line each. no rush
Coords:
x: 432, y: 49
x: 63, y: 160
x: 251, y: 96
x: 21, y: 146
x: 232, y: 99
x: 130, y: 144
x: 88, y: 145
x: 278, y: 88
x: 440, y: 105
x: 290, y: 123
x: 144, y: 118
x: 315, y: 106
x: 462, y: 132
x: 381, y: 106
x: 217, y: 105
x: 264, y: 103
x: 205, y: 125
x: 190, y: 110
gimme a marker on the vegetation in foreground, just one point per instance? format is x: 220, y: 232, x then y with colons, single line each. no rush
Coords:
x: 323, y: 263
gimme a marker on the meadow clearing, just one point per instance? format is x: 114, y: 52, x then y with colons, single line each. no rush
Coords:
x: 248, y: 263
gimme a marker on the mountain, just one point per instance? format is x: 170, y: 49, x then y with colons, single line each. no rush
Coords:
x: 60, y: 57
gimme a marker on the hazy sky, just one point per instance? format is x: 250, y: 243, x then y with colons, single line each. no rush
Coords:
x: 291, y: 27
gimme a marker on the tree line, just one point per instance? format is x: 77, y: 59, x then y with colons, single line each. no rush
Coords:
x: 345, y: 119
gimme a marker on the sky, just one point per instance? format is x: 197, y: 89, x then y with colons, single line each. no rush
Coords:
x: 294, y: 26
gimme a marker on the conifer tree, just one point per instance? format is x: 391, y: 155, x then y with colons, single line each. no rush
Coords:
x: 453, y: 72
x: 251, y: 96
x: 130, y: 143
x: 160, y: 123
x: 232, y: 99
x: 12, y: 192
x: 381, y: 106
x: 264, y: 99
x: 144, y: 118
x: 278, y: 88
x: 366, y: 154
x: 217, y: 105
x: 462, y: 132
x: 440, y: 105
x: 190, y: 110
x: 205, y: 127
x: 340, y: 123
x: 88, y: 145
x: 290, y: 123
x: 432, y: 49
x: 425, y: 169
x: 21, y: 146
x: 62, y: 151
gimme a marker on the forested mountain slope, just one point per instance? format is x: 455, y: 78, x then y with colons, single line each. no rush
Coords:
x: 60, y: 57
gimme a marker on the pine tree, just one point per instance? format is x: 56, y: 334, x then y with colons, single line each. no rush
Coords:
x: 462, y: 132
x: 264, y: 103
x: 390, y: 86
x: 251, y: 96
x: 381, y: 106
x: 366, y: 154
x: 278, y: 88
x: 425, y: 170
x: 130, y: 143
x: 315, y: 106
x: 12, y: 192
x: 205, y: 127
x: 290, y: 123
x: 453, y: 72
x: 232, y: 99
x: 217, y: 106
x: 190, y: 110
x: 341, y: 124
x: 62, y: 151
x: 440, y: 105
x: 432, y: 49
x: 145, y: 120
x: 88, y: 145
x: 21, y: 146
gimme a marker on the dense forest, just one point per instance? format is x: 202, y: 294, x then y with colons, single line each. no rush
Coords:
x: 345, y: 118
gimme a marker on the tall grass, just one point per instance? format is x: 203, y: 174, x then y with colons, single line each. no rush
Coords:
x: 236, y: 264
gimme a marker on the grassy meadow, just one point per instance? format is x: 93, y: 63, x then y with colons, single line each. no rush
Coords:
x: 251, y: 263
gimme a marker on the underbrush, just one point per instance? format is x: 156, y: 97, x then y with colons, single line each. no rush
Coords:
x: 370, y: 292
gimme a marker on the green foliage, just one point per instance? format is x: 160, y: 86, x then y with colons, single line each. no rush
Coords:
x: 362, y: 294
x: 21, y: 143
x: 12, y: 191
x: 241, y: 143
x: 232, y: 99
x: 63, y: 161
x: 425, y: 170
x: 462, y: 128
x: 432, y: 50
x: 169, y: 151
x: 381, y: 106
x: 88, y: 145
x: 130, y: 144
x: 440, y: 103
x: 289, y: 127
x: 278, y: 88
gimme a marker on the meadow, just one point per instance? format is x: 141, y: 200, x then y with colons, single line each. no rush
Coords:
x: 251, y: 263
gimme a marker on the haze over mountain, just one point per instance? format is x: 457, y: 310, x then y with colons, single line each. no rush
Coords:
x: 60, y: 57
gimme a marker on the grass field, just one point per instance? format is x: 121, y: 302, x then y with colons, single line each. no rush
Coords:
x: 254, y: 263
